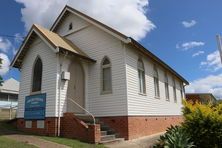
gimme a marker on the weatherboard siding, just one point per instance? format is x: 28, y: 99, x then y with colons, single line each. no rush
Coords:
x: 97, y: 44
x: 147, y: 104
x: 39, y: 48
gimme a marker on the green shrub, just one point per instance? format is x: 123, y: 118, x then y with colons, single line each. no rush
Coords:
x: 204, y: 124
x: 175, y: 137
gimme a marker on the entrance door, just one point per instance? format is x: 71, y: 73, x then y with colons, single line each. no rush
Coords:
x: 76, y: 88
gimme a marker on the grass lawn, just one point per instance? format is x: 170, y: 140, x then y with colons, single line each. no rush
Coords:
x: 71, y: 142
x: 9, y: 143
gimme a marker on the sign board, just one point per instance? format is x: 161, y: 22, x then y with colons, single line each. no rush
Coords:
x: 35, y: 107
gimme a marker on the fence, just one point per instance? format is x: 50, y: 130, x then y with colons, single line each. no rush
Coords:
x: 7, y: 112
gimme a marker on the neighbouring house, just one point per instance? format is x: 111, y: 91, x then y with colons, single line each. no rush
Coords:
x: 203, y: 98
x: 82, y: 69
x: 8, y: 98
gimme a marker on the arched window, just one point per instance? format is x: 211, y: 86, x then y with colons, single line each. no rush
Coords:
x: 167, y: 87
x: 106, y: 75
x: 156, y: 82
x: 141, y: 76
x: 181, y: 91
x: 174, y: 91
x: 37, y: 75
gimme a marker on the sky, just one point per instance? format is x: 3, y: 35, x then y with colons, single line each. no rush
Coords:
x: 181, y: 33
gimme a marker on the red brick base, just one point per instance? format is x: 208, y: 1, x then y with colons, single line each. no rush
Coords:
x: 49, y: 130
x: 128, y: 127
x: 71, y: 127
x: 131, y: 127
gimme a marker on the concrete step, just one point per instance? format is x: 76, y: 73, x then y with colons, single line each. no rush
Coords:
x: 108, y: 137
x: 103, y: 133
x: 116, y: 140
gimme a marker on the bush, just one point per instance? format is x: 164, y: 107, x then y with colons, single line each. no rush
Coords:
x: 204, y: 124
x: 175, y: 137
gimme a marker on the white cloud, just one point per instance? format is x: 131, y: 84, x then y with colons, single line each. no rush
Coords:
x: 5, y: 44
x: 212, y: 62
x: 198, y: 53
x: 189, y: 45
x: 5, y: 64
x: 18, y: 38
x: 127, y: 16
x: 210, y: 84
x: 188, y: 24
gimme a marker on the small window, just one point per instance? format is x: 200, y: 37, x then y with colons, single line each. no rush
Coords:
x: 106, y: 76
x: 174, y: 91
x: 13, y: 98
x: 156, y: 82
x: 37, y: 75
x: 167, y: 88
x: 70, y: 26
x: 141, y: 77
x: 4, y: 97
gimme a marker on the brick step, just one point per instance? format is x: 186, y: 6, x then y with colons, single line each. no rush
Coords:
x: 116, y: 140
x: 84, y: 117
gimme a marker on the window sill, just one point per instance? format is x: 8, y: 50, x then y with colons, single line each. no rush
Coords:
x: 142, y: 94
x: 35, y: 93
x: 157, y: 97
x: 106, y: 92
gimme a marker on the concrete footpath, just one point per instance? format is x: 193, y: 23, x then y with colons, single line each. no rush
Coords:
x: 143, y: 142
x: 36, y: 141
x: 29, y: 139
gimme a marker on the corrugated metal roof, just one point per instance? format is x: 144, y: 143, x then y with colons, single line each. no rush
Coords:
x: 59, y: 41
x: 10, y: 86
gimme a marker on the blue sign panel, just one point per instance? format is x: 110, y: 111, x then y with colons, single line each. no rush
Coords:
x: 35, y: 106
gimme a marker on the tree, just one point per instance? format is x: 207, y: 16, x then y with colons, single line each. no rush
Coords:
x: 1, y: 80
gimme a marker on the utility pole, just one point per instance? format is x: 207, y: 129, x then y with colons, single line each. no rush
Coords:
x: 219, y: 43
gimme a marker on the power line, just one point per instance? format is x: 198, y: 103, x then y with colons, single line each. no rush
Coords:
x: 11, y: 36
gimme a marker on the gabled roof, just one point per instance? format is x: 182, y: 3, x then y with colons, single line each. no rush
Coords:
x: 91, y: 20
x: 57, y: 43
x: 10, y: 86
x: 201, y: 96
x: 115, y: 33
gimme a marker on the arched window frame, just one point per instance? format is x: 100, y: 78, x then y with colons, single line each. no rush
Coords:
x: 166, y: 83
x: 156, y: 82
x: 103, y: 67
x: 182, y: 91
x: 141, y: 76
x: 36, y: 89
x: 174, y: 91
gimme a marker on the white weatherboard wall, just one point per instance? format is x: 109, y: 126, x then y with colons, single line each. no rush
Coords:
x: 148, y: 104
x: 65, y: 61
x: 97, y: 44
x: 49, y: 60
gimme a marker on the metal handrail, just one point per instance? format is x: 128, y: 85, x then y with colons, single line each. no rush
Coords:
x: 94, y: 120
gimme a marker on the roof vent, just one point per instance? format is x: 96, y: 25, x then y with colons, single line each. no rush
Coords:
x: 70, y: 26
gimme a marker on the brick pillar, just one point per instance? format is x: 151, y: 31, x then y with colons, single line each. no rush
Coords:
x: 94, y: 134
